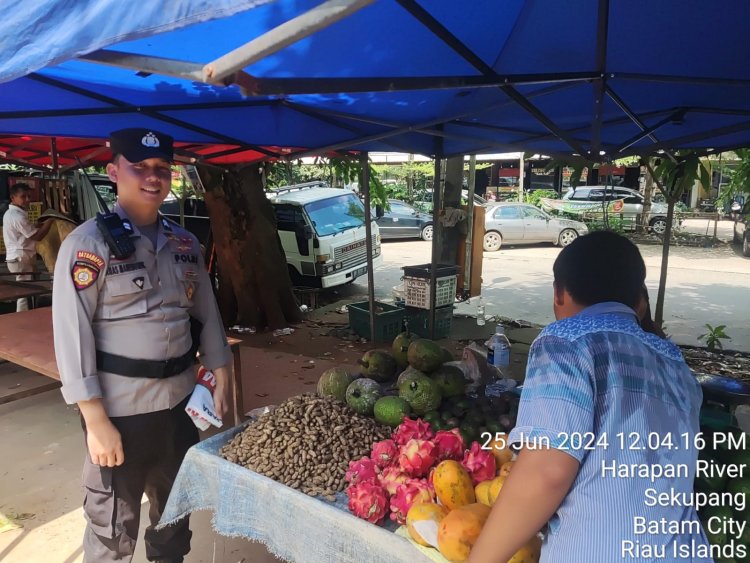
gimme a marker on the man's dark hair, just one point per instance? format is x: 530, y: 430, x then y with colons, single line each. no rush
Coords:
x: 599, y: 267
x: 18, y: 187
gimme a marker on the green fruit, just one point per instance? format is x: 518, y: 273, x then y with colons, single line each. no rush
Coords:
x: 421, y: 393
x: 452, y: 422
x: 391, y: 411
x: 333, y: 383
x: 379, y: 365
x: 431, y: 417
x: 450, y: 381
x: 362, y: 394
x: 400, y: 347
x: 425, y: 355
x: 408, y: 374
x: 494, y: 427
x: 446, y: 415
x: 470, y: 430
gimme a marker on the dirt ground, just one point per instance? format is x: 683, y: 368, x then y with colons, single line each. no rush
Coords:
x: 42, y: 447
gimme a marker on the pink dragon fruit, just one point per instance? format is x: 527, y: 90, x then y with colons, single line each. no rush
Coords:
x: 410, y: 493
x: 479, y: 463
x: 450, y: 445
x: 391, y: 478
x: 384, y: 453
x: 417, y: 457
x: 368, y: 501
x: 412, y: 430
x: 362, y: 471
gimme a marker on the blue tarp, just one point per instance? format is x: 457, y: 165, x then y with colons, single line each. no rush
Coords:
x: 457, y: 77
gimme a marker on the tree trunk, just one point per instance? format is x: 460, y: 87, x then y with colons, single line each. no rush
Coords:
x: 253, y: 271
x: 659, y: 313
x: 648, y: 194
x: 454, y: 176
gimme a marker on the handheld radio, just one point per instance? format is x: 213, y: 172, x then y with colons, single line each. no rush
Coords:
x: 116, y: 232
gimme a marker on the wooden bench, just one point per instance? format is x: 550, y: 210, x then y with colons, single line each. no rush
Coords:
x: 26, y: 340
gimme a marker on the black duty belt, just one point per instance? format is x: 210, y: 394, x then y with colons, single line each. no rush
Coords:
x: 153, y: 369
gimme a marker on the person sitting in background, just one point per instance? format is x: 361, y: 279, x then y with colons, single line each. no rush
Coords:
x: 20, y: 237
x: 598, y: 388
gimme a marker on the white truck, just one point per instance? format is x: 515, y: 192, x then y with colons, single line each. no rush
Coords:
x: 322, y: 231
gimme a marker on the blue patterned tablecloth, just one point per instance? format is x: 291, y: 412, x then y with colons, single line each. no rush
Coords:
x: 293, y: 525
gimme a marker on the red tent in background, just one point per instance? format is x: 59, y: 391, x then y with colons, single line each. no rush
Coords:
x: 50, y: 153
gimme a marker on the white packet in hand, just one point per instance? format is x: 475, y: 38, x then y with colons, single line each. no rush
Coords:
x: 200, y: 407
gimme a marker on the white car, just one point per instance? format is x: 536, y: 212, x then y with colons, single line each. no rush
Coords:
x: 633, y: 204
x: 521, y: 223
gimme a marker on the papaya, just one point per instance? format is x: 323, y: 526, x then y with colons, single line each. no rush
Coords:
x: 453, y: 486
x: 495, y: 486
x: 530, y: 553
x: 482, y: 492
x: 500, y: 449
x: 424, y: 511
x: 459, y: 531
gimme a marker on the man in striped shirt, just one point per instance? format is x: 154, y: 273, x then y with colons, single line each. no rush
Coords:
x: 606, y: 425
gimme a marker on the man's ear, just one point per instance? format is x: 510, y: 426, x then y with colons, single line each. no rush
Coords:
x: 559, y: 294
x: 112, y: 172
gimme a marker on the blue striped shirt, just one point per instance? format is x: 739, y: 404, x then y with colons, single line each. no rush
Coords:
x: 611, y: 395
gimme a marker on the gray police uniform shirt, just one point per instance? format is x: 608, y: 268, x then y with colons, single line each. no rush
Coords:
x: 138, y: 308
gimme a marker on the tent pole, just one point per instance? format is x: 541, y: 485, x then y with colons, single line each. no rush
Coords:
x: 280, y: 37
x: 436, y: 233
x: 53, y: 153
x: 364, y: 161
x: 470, y: 219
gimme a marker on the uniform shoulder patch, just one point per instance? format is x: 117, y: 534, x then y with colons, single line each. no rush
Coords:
x: 86, y: 269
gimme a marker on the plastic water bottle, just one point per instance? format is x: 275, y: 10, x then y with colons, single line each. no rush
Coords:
x: 498, y: 350
x: 480, y: 312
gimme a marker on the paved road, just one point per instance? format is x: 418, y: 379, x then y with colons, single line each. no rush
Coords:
x: 703, y: 285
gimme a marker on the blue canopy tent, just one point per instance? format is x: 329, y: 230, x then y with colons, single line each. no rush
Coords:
x: 597, y: 78
x: 587, y: 77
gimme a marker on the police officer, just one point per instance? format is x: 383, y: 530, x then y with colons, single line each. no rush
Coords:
x: 125, y: 351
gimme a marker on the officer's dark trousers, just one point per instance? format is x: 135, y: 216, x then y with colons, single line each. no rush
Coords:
x: 154, y: 446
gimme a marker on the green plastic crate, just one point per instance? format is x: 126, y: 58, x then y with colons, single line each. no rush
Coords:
x: 419, y: 321
x: 388, y: 320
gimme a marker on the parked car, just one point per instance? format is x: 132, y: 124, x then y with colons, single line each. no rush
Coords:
x: 404, y: 221
x: 424, y: 201
x: 741, y: 232
x: 633, y: 201
x: 521, y: 223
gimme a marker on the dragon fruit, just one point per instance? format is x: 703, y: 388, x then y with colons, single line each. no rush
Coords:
x: 362, y: 471
x: 391, y: 478
x: 450, y: 445
x: 417, y: 457
x: 384, y: 453
x: 368, y: 501
x: 412, y: 430
x: 410, y: 493
x: 479, y: 463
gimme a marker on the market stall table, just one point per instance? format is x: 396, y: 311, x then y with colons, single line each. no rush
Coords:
x: 292, y: 525
x: 26, y: 340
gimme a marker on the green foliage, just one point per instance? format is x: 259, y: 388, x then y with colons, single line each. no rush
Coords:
x: 714, y: 336
x: 739, y: 182
x: 674, y: 177
x: 534, y: 197
x: 614, y: 224
x: 336, y: 171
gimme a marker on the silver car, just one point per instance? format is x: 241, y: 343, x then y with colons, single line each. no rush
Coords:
x: 521, y: 223
x: 632, y: 208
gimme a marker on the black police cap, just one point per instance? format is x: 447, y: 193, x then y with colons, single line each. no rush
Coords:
x: 139, y: 144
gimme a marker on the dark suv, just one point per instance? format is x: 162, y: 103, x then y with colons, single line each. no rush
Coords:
x: 741, y: 232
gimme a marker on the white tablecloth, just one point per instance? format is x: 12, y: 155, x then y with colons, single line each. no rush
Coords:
x: 294, y: 526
